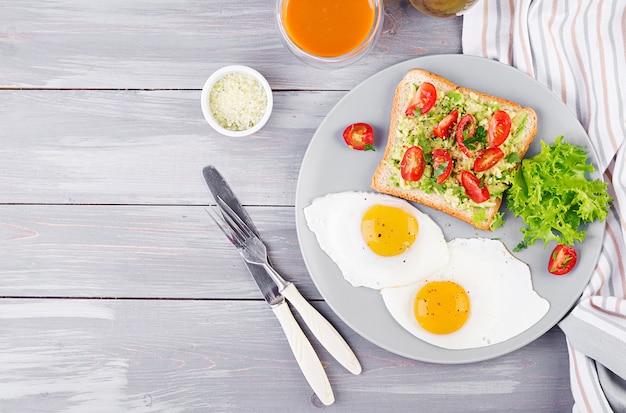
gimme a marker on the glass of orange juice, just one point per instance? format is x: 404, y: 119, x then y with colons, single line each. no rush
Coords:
x: 330, y: 33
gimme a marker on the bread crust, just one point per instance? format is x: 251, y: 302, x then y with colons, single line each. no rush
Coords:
x: 383, y: 177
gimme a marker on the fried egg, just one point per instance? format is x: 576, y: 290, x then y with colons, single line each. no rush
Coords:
x: 483, y: 296
x: 377, y: 240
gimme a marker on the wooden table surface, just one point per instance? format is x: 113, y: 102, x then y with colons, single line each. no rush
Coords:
x: 116, y: 292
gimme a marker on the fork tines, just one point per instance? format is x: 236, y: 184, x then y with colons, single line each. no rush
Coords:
x: 235, y: 222
x: 221, y: 223
x: 229, y: 222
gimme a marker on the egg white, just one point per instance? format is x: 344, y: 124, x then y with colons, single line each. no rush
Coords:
x: 503, y: 303
x: 336, y: 221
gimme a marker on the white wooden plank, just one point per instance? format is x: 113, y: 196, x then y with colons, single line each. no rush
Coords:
x: 199, y: 356
x: 136, y: 251
x: 146, y: 147
x: 162, y: 44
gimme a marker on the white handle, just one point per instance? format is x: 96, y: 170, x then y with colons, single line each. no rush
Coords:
x: 305, y: 355
x: 323, y: 330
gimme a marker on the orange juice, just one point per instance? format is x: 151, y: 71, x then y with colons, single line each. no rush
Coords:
x: 328, y: 28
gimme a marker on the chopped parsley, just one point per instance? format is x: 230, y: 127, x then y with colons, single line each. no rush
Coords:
x: 478, y: 140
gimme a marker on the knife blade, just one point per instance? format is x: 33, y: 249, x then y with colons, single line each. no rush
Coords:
x: 220, y: 189
x: 301, y: 347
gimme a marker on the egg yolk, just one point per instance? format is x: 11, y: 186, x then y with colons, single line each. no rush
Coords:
x: 388, y: 230
x: 441, y: 307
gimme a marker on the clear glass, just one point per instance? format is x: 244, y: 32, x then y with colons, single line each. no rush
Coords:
x: 338, y: 61
x: 443, y: 8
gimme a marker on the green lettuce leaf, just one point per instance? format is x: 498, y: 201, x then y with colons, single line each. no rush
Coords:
x: 552, y: 194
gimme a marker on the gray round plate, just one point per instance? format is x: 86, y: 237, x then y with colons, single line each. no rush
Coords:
x: 330, y: 166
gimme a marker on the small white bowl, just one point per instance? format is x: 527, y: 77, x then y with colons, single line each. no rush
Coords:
x: 206, y: 106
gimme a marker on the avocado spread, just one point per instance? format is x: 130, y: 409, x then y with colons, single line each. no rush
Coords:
x: 417, y: 130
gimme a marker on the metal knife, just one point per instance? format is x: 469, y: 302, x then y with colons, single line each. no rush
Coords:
x: 220, y: 189
x: 327, y: 335
x: 301, y: 347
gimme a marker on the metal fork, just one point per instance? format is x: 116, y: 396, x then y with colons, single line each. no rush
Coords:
x: 250, y: 246
x: 254, y: 251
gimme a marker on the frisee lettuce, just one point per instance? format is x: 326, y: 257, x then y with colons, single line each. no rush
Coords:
x: 552, y: 194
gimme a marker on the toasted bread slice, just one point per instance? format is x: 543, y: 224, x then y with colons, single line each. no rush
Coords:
x: 416, y: 129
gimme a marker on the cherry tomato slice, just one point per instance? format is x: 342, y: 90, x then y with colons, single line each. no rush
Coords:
x: 445, y: 127
x: 488, y: 158
x: 562, y: 260
x: 424, y: 99
x: 412, y: 165
x: 442, y: 164
x: 499, y: 127
x: 472, y: 187
x: 359, y: 136
x: 467, y: 122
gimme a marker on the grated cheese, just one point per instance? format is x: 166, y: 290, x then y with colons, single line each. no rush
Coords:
x: 237, y: 101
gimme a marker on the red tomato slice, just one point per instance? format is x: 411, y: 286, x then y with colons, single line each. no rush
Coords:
x: 472, y: 187
x: 499, y: 127
x: 488, y: 158
x: 467, y: 122
x: 442, y: 162
x: 562, y: 260
x: 424, y: 98
x: 444, y: 128
x: 359, y: 136
x: 412, y: 165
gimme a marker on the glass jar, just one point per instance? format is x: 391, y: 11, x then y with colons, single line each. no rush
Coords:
x: 442, y: 8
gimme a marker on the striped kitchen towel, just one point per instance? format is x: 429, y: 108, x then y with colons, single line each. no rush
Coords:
x: 577, y: 48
